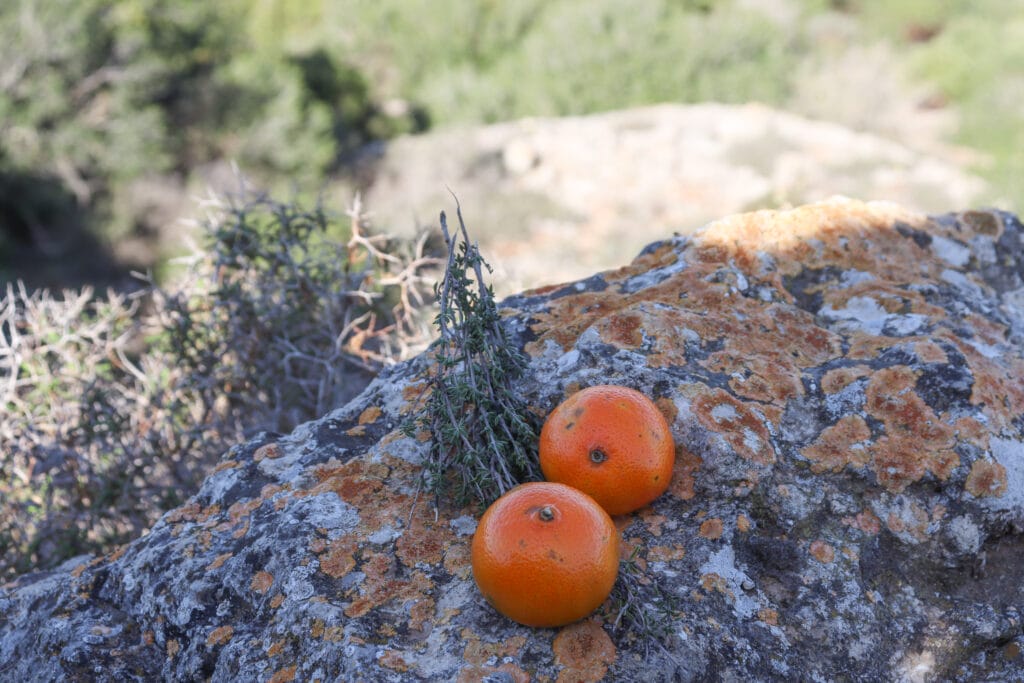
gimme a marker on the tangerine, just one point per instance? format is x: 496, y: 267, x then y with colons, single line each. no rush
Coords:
x: 612, y: 443
x: 545, y: 554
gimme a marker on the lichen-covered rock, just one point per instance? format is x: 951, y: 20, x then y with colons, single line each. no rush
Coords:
x: 844, y: 382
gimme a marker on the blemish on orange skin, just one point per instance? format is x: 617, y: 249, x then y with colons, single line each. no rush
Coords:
x: 839, y: 445
x: 220, y: 635
x: 584, y: 650
x: 822, y: 552
x: 711, y: 529
x: 986, y: 479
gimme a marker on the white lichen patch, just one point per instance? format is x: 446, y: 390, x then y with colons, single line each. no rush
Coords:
x: 325, y: 511
x: 464, y: 525
x: 723, y: 563
x: 951, y: 251
x: 965, y: 534
x: 860, y: 312
x: 1010, y: 454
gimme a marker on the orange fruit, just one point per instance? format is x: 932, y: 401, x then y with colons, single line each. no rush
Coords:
x: 545, y: 554
x: 612, y: 443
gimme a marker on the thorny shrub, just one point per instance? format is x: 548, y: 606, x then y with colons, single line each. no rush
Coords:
x: 115, y: 406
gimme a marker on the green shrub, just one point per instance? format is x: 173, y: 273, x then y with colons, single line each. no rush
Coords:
x: 114, y: 407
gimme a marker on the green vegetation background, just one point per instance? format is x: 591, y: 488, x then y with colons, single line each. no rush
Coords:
x: 98, y: 96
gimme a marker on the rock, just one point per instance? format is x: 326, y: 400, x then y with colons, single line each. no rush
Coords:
x: 560, y: 198
x: 843, y: 381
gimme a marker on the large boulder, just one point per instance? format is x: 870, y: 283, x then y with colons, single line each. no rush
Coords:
x: 843, y: 381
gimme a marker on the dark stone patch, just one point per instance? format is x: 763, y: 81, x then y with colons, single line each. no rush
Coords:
x: 921, y: 238
x: 797, y: 286
x: 946, y: 386
x: 804, y: 418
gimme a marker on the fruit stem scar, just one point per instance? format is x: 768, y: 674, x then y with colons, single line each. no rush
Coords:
x: 546, y: 514
x: 597, y: 456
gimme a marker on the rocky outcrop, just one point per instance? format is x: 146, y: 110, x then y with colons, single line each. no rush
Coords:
x: 843, y: 382
x: 560, y: 198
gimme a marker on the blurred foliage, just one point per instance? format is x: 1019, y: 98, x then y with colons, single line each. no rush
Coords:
x: 96, y: 94
x: 114, y: 407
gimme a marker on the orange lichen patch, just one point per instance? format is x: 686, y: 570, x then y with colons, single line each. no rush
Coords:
x: 117, y: 554
x: 743, y: 524
x: 997, y: 387
x: 822, y: 552
x: 668, y: 408
x: 714, y: 583
x: 276, y: 648
x: 267, y: 452
x: 838, y: 379
x: 867, y: 521
x: 479, y: 652
x: 928, y: 351
x: 317, y: 629
x: 220, y: 635
x: 276, y: 601
x: 584, y: 650
x: 242, y: 509
x: 424, y: 540
x: 665, y: 553
x: 910, y: 519
x: 768, y: 378
x: 173, y: 648
x: 624, y: 330
x: 864, y: 346
x: 381, y: 587
x: 285, y: 675
x: 339, y: 559
x: 972, y: 430
x: 358, y: 430
x: 393, y: 660
x: 711, y: 528
x: 839, y: 445
x: 506, y: 672
x: 741, y: 427
x: 768, y: 616
x: 219, y: 561
x: 370, y: 415
x: 684, y: 473
x: 457, y: 560
x: 225, y: 465
x: 77, y: 571
x: 654, y: 521
x: 184, y: 513
x: 917, y: 441
x: 986, y: 479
